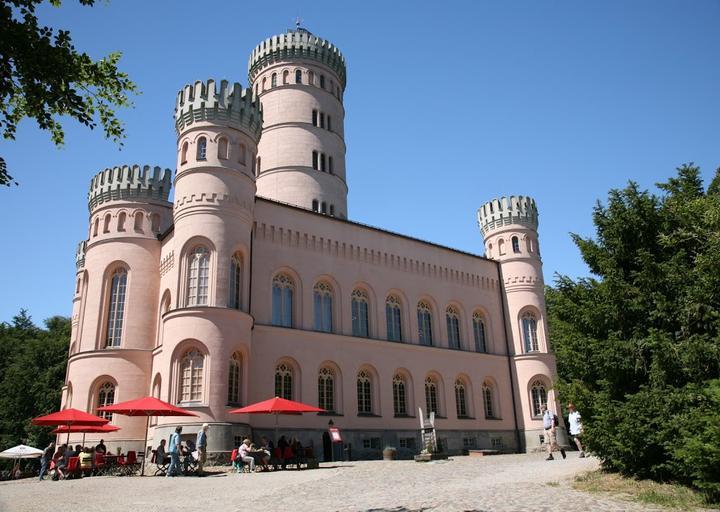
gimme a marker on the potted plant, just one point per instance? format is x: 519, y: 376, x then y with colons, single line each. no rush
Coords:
x: 389, y: 453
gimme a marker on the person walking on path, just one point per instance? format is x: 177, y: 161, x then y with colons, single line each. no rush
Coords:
x: 174, y: 451
x: 201, y: 447
x: 47, y: 456
x: 576, y: 428
x: 550, y: 423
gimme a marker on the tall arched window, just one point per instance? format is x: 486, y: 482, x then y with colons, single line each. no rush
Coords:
x: 424, y: 315
x: 453, y: 327
x: 530, y: 337
x: 116, y: 308
x: 191, y: 376
x: 273, y: 81
x: 364, y: 392
x: 322, y: 81
x: 198, y: 276
x: 399, y: 395
x: 359, y: 308
x: 264, y: 84
x: 311, y: 78
x: 323, y: 307
x: 139, y: 220
x: 431, y: 396
x: 286, y: 77
x: 236, y: 271
x: 258, y: 166
x: 488, y: 401
x: 106, y: 223
x: 242, y: 154
x: 461, y: 399
x: 202, y: 149
x: 394, y: 318
x: 96, y: 224
x: 515, y: 244
x: 479, y: 332
x: 315, y: 156
x: 155, y: 223
x: 121, y: 221
x: 183, y: 153
x: 234, y: 369
x: 283, y: 290
x: 284, y: 381
x: 538, y: 394
x: 105, y: 396
x: 298, y: 76
x: 222, y: 148
x: 315, y: 205
x: 326, y: 389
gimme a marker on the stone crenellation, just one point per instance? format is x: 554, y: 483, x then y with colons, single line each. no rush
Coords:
x: 506, y: 211
x: 297, y: 44
x: 129, y: 182
x: 231, y: 105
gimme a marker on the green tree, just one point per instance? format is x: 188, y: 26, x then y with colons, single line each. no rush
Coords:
x: 43, y: 77
x: 638, y: 343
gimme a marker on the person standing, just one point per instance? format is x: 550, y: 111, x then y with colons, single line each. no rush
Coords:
x: 201, y: 447
x: 47, y: 456
x: 576, y: 428
x: 550, y: 423
x: 174, y: 451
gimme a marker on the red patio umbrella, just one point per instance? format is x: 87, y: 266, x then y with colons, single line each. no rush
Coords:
x: 84, y: 429
x: 277, y: 406
x: 69, y: 417
x: 147, y: 406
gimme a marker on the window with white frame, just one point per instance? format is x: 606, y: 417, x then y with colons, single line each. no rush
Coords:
x: 479, y: 332
x: 234, y: 371
x: 323, y: 307
x: 399, y: 395
x: 283, y: 289
x: 201, y: 149
x: 453, y: 327
x: 394, y: 318
x: 116, y: 308
x: 105, y: 396
x: 198, y: 276
x: 488, y: 399
x: 191, y: 376
x: 431, y: 395
x: 424, y: 315
x: 364, y: 392
x: 326, y: 389
x: 236, y: 268
x: 461, y: 399
x: 359, y: 307
x: 284, y: 381
x: 538, y: 394
x: 530, y: 336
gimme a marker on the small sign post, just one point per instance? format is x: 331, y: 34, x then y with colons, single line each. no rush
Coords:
x: 335, y: 438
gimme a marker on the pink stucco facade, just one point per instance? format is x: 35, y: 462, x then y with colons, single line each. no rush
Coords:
x: 251, y: 282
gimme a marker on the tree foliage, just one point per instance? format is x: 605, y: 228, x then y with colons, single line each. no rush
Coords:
x: 43, y: 77
x: 32, y: 373
x: 638, y: 344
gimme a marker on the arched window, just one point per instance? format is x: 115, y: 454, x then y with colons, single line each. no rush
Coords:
x: 198, y: 276
x: 283, y: 289
x: 116, y: 308
x: 298, y: 76
x: 234, y: 370
x: 236, y: 272
x: 453, y: 327
x: 332, y: 210
x: 222, y: 148
x: 155, y: 223
x: 424, y: 315
x: 284, y: 381
x: 322, y: 120
x: 95, y: 226
x: 315, y: 117
x: 479, y: 332
x: 394, y: 318
x: 183, y: 153
x: 431, y: 396
x: 139, y: 220
x: 68, y: 397
x: 515, y: 244
x: 399, y: 395
x: 264, y: 84
x: 326, y: 389
x: 242, y: 154
x: 273, y: 80
x: 323, y: 307
x: 323, y: 207
x: 530, y: 338
x: 322, y: 81
x: 364, y: 392
x: 315, y: 157
x: 286, y: 77
x: 359, y: 307
x: 488, y: 401
x: 315, y: 205
x: 191, y: 376
x: 461, y: 399
x: 156, y: 390
x: 538, y: 394
x: 121, y: 221
x: 331, y: 169
x: 201, y: 149
x: 311, y: 78
x: 106, y: 223
x: 501, y: 247
x: 322, y: 162
x: 105, y: 396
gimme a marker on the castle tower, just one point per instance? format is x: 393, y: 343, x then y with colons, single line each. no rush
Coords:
x: 509, y: 228
x: 205, y: 287
x: 114, y: 315
x: 300, y: 80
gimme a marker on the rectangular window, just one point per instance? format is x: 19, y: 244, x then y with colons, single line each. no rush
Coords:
x: 322, y: 162
x: 329, y: 125
x: 330, y: 165
x: 315, y: 160
x: 407, y: 442
x: 469, y: 442
x: 322, y: 120
x: 314, y: 117
x: 372, y: 444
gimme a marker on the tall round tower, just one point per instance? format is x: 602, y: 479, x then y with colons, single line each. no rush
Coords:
x: 509, y: 227
x: 300, y: 80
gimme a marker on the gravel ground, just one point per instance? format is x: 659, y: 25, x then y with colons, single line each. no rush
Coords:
x: 498, y: 483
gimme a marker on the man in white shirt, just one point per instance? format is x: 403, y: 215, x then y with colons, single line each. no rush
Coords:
x: 244, y: 454
x: 549, y: 424
x: 575, y: 424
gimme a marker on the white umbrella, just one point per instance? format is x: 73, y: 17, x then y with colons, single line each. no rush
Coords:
x: 21, y: 452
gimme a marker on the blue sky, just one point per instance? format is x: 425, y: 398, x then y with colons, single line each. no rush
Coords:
x: 448, y: 105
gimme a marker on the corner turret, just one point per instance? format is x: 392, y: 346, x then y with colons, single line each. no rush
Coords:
x: 509, y: 227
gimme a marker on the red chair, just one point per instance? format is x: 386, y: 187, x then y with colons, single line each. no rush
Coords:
x: 99, y: 463
x: 128, y: 465
x: 73, y: 468
x: 276, y: 459
x: 289, y: 457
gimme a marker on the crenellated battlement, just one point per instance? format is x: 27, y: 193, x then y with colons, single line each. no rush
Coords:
x: 297, y: 44
x: 128, y: 183
x: 506, y: 211
x: 230, y: 105
x: 80, y: 255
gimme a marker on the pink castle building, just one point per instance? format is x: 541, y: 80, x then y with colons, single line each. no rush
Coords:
x: 253, y: 283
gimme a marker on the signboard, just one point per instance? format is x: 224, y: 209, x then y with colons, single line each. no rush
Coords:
x: 335, y: 436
